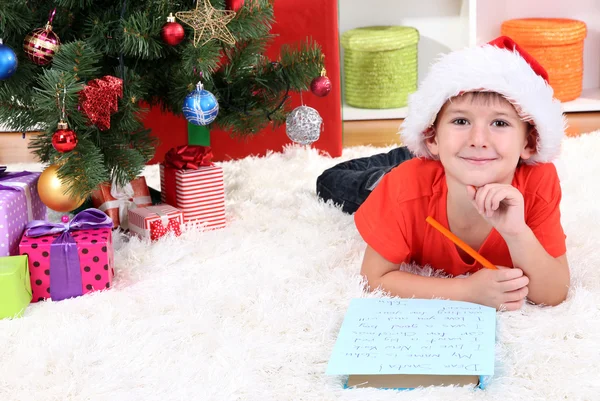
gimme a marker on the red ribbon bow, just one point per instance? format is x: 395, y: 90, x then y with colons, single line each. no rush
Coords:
x: 158, y: 230
x: 189, y: 157
x: 99, y: 99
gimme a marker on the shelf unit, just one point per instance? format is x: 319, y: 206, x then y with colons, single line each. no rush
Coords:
x: 448, y: 25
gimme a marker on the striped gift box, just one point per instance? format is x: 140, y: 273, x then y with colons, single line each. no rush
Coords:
x: 141, y: 218
x: 199, y: 194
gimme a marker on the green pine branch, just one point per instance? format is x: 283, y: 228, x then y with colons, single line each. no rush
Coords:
x: 101, y: 31
x: 140, y: 37
x: 15, y: 19
x: 302, y: 65
x: 74, y: 4
x: 253, y: 21
x: 83, y: 169
x: 78, y: 58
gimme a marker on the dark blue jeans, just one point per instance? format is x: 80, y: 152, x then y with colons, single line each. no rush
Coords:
x: 349, y: 183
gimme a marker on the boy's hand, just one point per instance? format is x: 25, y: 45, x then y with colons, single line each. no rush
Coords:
x: 503, y: 289
x: 501, y: 205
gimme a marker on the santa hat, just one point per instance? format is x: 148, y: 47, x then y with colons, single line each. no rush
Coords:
x: 500, y: 66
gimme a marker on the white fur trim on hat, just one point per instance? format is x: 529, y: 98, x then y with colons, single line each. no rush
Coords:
x: 492, y: 69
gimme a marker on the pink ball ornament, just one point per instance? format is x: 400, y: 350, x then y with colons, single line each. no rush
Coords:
x: 321, y: 86
x: 41, y: 44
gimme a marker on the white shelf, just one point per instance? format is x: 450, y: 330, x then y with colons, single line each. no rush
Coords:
x: 350, y: 113
x: 588, y: 101
x: 4, y: 128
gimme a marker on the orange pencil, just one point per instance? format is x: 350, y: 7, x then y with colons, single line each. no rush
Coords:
x: 460, y: 243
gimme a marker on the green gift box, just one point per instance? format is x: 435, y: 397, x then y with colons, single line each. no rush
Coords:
x: 15, y: 286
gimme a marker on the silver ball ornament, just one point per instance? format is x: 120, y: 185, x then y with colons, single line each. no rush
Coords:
x: 303, y: 125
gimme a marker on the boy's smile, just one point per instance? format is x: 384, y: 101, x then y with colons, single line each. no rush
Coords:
x: 478, y: 161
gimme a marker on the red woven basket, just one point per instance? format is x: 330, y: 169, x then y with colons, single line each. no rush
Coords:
x: 557, y: 44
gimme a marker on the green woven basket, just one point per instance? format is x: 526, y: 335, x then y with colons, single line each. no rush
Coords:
x: 380, y: 66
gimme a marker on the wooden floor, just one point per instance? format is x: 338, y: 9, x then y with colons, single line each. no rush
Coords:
x: 384, y: 132
x: 13, y: 146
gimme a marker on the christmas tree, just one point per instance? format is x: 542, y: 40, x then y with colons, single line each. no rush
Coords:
x: 87, y: 69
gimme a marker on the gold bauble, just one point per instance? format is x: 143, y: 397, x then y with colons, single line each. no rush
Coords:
x: 52, y: 191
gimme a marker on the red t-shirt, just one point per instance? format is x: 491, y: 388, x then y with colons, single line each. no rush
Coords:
x: 392, y: 219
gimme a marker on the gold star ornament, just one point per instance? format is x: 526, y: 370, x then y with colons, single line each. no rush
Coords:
x: 208, y: 22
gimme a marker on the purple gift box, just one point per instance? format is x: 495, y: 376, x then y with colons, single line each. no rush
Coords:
x: 19, y: 204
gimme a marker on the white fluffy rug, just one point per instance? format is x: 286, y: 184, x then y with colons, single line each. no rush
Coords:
x: 251, y: 312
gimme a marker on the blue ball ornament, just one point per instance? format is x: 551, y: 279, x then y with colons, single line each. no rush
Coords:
x: 200, y: 107
x: 8, y: 62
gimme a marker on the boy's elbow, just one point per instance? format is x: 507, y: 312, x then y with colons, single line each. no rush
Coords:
x: 563, y: 283
x: 553, y: 292
x: 554, y: 301
x: 558, y: 298
x: 372, y: 281
x: 374, y: 268
x: 550, y: 299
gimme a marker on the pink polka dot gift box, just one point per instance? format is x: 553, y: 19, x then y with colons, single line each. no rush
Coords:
x: 69, y: 259
x: 19, y: 204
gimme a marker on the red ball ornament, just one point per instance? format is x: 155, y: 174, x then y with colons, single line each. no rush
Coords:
x: 234, y: 5
x: 64, y: 139
x: 41, y: 44
x: 321, y: 86
x: 172, y: 32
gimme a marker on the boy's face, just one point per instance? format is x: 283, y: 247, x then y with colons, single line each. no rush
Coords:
x: 479, y: 140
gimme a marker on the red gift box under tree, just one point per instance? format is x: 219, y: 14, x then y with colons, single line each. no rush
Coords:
x: 192, y: 183
x: 116, y: 201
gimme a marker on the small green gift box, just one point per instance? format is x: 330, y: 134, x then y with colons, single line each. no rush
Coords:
x: 15, y: 286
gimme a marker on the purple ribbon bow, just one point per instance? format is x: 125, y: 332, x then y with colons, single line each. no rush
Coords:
x: 4, y: 175
x: 65, y: 268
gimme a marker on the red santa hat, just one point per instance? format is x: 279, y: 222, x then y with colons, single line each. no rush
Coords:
x: 500, y: 66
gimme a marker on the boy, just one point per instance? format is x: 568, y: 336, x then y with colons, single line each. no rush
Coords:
x: 483, y: 128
